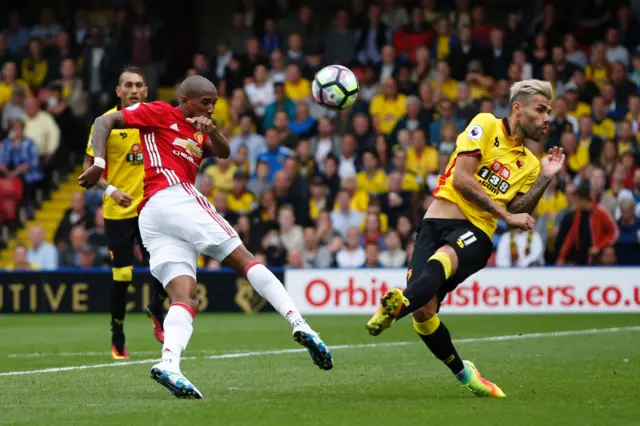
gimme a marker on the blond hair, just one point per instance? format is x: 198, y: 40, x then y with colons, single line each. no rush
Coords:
x: 523, y: 91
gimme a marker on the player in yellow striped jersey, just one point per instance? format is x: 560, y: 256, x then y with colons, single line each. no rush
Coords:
x: 490, y: 176
x: 123, y: 184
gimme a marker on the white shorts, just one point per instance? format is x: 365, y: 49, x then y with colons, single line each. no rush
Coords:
x: 177, y: 224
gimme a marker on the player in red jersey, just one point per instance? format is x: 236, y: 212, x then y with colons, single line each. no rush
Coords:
x: 177, y: 222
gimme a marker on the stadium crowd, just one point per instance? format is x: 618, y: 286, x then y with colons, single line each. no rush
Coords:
x: 309, y: 187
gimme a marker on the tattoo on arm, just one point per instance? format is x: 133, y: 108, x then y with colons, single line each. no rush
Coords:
x: 479, y: 198
x: 527, y: 202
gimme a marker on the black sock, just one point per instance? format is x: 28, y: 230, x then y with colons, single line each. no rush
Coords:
x: 424, y: 287
x: 118, y: 302
x: 159, y: 295
x: 440, y: 344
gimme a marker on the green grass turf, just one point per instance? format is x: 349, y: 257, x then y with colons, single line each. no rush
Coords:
x: 569, y: 380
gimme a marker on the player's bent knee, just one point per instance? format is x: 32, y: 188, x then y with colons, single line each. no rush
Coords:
x: 428, y: 326
x: 124, y: 273
x: 426, y: 312
x: 447, y: 256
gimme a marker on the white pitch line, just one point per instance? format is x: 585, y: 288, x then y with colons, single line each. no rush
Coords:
x: 359, y: 346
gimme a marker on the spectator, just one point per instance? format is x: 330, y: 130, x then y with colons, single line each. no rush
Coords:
x: 499, y: 57
x: 561, y: 123
x: 271, y: 40
x: 247, y: 137
x: 387, y: 107
x: 409, y: 178
x: 42, y: 254
x: 464, y: 105
x: 397, y: 201
x: 353, y: 255
x: 97, y: 239
x: 48, y: 28
x: 87, y: 258
x: 621, y: 87
x: 480, y: 29
x: 303, y: 126
x: 260, y: 182
x: 296, y: 87
x: 20, y: 261
x: 260, y: 91
x: 325, y: 142
x: 393, y: 256
x: 239, y: 200
x: 294, y: 258
x: 615, y: 50
x: 423, y: 73
x: 564, y: 69
x: 574, y: 55
x: 17, y: 35
x: 628, y: 245
x: 78, y: 239
x: 34, y: 68
x: 447, y: 115
x: 340, y: 40
x: 584, y: 234
x: 372, y: 179
x: 75, y: 216
x: 319, y: 199
x: 348, y: 162
x: 576, y: 108
x: 421, y: 158
x: 372, y: 255
x: 239, y: 34
x: 330, y: 175
x: 275, y: 154
x: 345, y: 216
x: 252, y: 59
x: 221, y: 174
x: 44, y: 131
x: 597, y: 185
x: 373, y: 36
x: 291, y: 234
x: 520, y: 248
x: 415, y: 118
x: 10, y: 82
x: 388, y: 66
x: 19, y: 159
x: 372, y: 230
x: 250, y: 237
x: 14, y: 109
x: 73, y: 93
x: 602, y: 127
x: 278, y: 72
x: 462, y: 53
x: 281, y: 103
x: 598, y: 69
x: 410, y: 37
x: 502, y: 104
x: 315, y: 256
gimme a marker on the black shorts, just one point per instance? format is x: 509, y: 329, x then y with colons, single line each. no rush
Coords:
x: 122, y: 235
x: 470, y: 243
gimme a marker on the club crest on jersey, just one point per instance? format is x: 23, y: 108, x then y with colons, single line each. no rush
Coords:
x: 190, y: 146
x: 198, y: 137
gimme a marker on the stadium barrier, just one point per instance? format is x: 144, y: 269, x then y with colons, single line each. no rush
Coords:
x: 74, y: 290
x: 338, y: 291
x: 492, y: 290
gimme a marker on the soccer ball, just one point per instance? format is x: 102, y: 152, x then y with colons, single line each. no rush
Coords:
x: 335, y: 87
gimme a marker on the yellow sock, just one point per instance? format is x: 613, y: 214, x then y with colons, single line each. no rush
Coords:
x: 444, y: 259
x: 428, y: 327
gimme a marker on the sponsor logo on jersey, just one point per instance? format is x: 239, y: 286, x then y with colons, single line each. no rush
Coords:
x: 190, y: 146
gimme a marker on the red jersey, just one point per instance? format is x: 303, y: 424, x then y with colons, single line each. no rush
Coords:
x: 173, y: 149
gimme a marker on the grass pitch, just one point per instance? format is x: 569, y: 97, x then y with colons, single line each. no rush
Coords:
x: 248, y: 375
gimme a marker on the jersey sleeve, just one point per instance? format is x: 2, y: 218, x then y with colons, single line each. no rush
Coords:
x: 475, y: 138
x: 143, y: 115
x: 89, y: 150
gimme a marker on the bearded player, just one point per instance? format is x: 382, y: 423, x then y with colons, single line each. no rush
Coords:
x: 177, y: 222
x: 490, y: 176
x: 122, y: 185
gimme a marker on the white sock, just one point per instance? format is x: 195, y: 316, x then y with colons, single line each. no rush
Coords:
x: 273, y: 290
x: 178, y: 327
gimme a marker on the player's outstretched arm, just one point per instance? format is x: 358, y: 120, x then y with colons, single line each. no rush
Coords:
x: 465, y: 183
x: 527, y: 202
x: 102, y: 128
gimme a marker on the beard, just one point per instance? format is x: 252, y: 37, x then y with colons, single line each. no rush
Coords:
x: 530, y: 131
